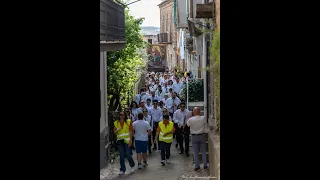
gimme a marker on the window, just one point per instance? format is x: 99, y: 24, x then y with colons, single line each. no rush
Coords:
x: 150, y: 41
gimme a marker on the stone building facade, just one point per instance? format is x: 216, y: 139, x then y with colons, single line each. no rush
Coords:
x: 167, y: 26
x: 151, y: 39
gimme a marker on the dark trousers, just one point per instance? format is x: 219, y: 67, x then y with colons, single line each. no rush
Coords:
x: 125, y: 152
x: 165, y: 150
x: 179, y: 136
x: 171, y: 115
x: 186, y: 142
x: 155, y: 127
x: 186, y: 132
x: 149, y: 143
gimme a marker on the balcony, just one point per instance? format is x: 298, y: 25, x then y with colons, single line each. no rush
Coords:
x: 164, y: 38
x: 112, y: 21
x: 205, y: 10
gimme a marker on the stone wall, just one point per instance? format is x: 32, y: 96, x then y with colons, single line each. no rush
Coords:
x: 214, y: 155
x: 214, y: 137
x: 167, y: 26
x: 218, y: 13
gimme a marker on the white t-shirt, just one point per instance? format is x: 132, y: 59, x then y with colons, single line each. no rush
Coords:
x: 197, y: 124
x: 141, y: 128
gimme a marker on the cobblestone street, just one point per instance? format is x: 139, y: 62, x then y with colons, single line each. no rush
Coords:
x: 181, y: 168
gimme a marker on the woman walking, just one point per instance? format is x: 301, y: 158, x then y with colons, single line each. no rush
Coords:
x: 124, y: 131
x: 128, y: 114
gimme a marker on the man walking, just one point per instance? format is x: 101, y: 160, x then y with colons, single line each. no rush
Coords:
x: 173, y: 103
x: 180, y: 117
x: 141, y: 130
x: 142, y: 96
x: 154, y: 96
x: 197, y: 130
x: 177, y: 86
x: 148, y: 119
x: 149, y: 104
x: 156, y: 115
x: 165, y: 132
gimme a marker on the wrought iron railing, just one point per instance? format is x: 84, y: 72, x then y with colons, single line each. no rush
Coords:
x: 112, y: 21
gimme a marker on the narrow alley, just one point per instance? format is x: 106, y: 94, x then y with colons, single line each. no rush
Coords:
x: 159, y: 82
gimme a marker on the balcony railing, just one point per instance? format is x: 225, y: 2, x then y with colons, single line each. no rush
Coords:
x: 112, y: 21
x: 163, y: 38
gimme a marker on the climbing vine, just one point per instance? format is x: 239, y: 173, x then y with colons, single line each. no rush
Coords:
x: 215, y: 57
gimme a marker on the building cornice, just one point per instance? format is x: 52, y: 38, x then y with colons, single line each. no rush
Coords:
x: 164, y: 3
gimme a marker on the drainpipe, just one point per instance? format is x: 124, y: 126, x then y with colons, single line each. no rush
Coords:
x: 204, y: 72
x: 190, y: 8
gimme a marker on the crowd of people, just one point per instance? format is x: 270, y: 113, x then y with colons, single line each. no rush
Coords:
x: 156, y: 117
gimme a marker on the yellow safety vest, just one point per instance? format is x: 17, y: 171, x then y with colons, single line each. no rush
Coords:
x: 123, y: 133
x: 166, y: 129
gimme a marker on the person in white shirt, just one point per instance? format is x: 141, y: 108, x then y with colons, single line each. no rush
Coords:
x: 170, y: 92
x: 149, y: 104
x: 141, y: 130
x: 177, y: 86
x: 197, y: 130
x: 180, y: 118
x: 173, y: 103
x: 156, y: 114
x: 155, y: 86
x: 135, y: 110
x: 166, y: 112
x: 166, y: 97
x: 170, y: 83
x: 142, y: 96
x: 165, y: 87
x: 142, y: 106
x: 148, y: 119
x: 161, y: 79
x: 166, y: 78
x: 154, y: 96
x: 128, y: 114
x: 160, y: 93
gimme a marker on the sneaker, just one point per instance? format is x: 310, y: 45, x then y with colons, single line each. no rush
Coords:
x: 121, y: 173
x: 139, y: 166
x: 197, y: 169
x: 145, y: 164
x: 132, y: 169
x: 162, y: 162
x: 168, y: 161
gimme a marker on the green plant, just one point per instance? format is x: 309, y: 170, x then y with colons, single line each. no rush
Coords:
x: 123, y: 66
x: 196, y: 91
x: 215, y: 57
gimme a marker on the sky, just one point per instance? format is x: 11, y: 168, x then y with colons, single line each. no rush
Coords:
x: 148, y: 9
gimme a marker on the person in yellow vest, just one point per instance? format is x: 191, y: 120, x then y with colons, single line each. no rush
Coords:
x: 165, y: 132
x: 123, y: 129
x: 185, y: 72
